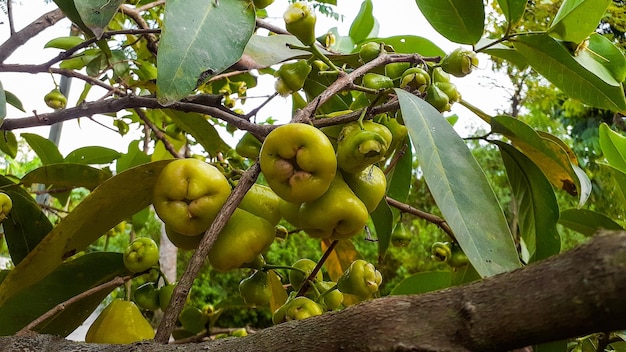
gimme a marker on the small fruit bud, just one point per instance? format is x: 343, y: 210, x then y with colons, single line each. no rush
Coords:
x: 460, y: 62
x: 300, y: 21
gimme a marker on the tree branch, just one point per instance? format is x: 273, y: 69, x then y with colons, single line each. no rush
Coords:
x: 405, y: 208
x: 572, y: 294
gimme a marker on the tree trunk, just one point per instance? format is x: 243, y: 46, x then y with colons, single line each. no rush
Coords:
x: 576, y: 293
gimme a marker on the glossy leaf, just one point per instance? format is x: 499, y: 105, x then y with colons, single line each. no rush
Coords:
x: 577, y: 19
x: 111, y: 202
x: 606, y: 54
x: 553, y: 160
x: 408, y: 44
x: 363, y: 24
x: 279, y: 294
x: 613, y: 147
x: 67, y: 176
x: 8, y: 143
x: 67, y: 281
x: 423, y: 282
x: 201, y: 130
x: 340, y: 259
x: 513, y: 10
x: 64, y: 43
x: 382, y: 218
x: 502, y: 51
x: 538, y: 210
x: 69, y: 9
x: 96, y: 14
x: 460, y: 188
x: 133, y: 157
x: 461, y: 21
x: 274, y: 49
x: 618, y: 190
x: 26, y: 225
x: 44, y: 148
x: 200, y: 39
x: 555, y: 62
x: 587, y: 222
x: 399, y: 179
x: 92, y: 155
x: 13, y: 100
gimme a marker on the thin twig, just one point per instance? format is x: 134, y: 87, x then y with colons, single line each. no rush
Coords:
x: 157, y: 133
x: 117, y: 281
x: 135, y: 14
x: 318, y: 267
x: 10, y: 15
x: 405, y: 208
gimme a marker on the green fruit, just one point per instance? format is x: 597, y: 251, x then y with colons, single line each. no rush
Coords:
x: 415, y: 78
x: 6, y: 204
x: 457, y: 258
x: 261, y: 4
x: 263, y: 202
x: 399, y: 132
x: 369, y: 51
x: 188, y: 194
x: 437, y: 98
x: 297, y: 277
x: 242, y: 239
x: 460, y: 62
x: 338, y: 214
x: 248, y: 146
x: 146, y: 296
x: 369, y: 185
x: 376, y: 81
x: 302, y: 308
x: 439, y: 75
x: 291, y: 77
x: 141, y: 255
x: 183, y: 241
x: 331, y: 299
x: 255, y: 289
x: 300, y: 21
x: 120, y: 322
x: 290, y: 212
x: 298, y: 162
x: 441, y: 251
x: 396, y: 69
x: 55, y: 99
x: 361, y: 145
x: 450, y: 90
x: 401, y: 236
x: 193, y: 319
x: 360, y: 279
x: 241, y: 332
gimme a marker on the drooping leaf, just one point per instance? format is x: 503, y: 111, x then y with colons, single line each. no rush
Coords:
x: 513, y: 10
x: 423, y: 282
x: 67, y: 175
x: 340, y: 259
x: 502, y: 51
x: 201, y: 130
x: 408, y: 44
x: 111, y: 202
x: 460, y: 188
x: 363, y: 24
x: 382, y: 218
x: 273, y: 49
x: 587, y: 222
x: 553, y: 160
x: 8, y: 143
x: 538, y: 210
x: 279, y: 294
x: 557, y: 64
x: 200, y: 39
x: 613, y: 147
x: 92, y: 155
x: 14, y: 101
x: 67, y: 281
x: 96, y: 14
x: 69, y: 9
x: 461, y: 21
x: 26, y: 225
x: 44, y: 148
x: 64, y: 43
x: 577, y: 19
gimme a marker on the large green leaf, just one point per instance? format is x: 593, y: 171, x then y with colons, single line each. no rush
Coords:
x: 363, y: 24
x: 537, y: 207
x: 409, y: 44
x: 268, y: 51
x: 603, y: 57
x: 555, y: 62
x: 26, y: 225
x: 382, y: 218
x: 513, y: 10
x: 44, y: 148
x: 67, y: 281
x: 613, y: 147
x: 113, y: 201
x: 577, y: 19
x: 200, y: 39
x: 499, y: 50
x: 8, y: 143
x: 461, y: 21
x: 92, y: 155
x: 423, y: 282
x: 587, y: 222
x: 549, y: 156
x: 67, y: 175
x: 96, y: 14
x: 460, y: 188
x: 134, y: 157
x: 69, y: 9
x: 399, y: 179
x: 201, y: 130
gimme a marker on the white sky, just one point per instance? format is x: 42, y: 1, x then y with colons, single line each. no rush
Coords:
x: 401, y: 18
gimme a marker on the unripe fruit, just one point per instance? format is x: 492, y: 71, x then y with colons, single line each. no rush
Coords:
x: 141, y: 255
x: 416, y: 78
x: 460, y: 62
x: 6, y: 204
x: 291, y: 77
x: 302, y: 308
x: 401, y: 236
x: 369, y: 51
x: 255, y: 289
x: 120, y: 322
x: 261, y: 4
x: 376, y: 81
x: 300, y: 21
x: 437, y: 98
x: 297, y: 277
x: 55, y: 99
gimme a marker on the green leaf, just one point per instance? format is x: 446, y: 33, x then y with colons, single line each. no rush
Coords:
x: 315, y: 84
x: 555, y: 62
x: 64, y: 43
x: 200, y: 39
x: 8, y: 143
x: 502, y: 51
x: 67, y: 281
x: 96, y: 14
x: 423, y: 282
x: 461, y: 21
x: 548, y: 155
x: 617, y: 186
x: 363, y: 24
x: 577, y: 19
x: 613, y: 147
x: 606, y: 54
x: 399, y: 179
x: 44, y: 148
x: 538, y: 210
x: 3, y: 104
x: 271, y: 50
x: 587, y: 222
x: 555, y: 346
x: 113, y: 201
x: 67, y: 175
x: 513, y: 10
x: 460, y: 188
x: 69, y: 9
x: 201, y: 130
x: 408, y: 44
x: 26, y: 225
x: 13, y: 100
x: 134, y: 157
x: 92, y: 155
x: 382, y: 218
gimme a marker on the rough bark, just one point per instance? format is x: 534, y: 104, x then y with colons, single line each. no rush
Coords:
x: 573, y: 294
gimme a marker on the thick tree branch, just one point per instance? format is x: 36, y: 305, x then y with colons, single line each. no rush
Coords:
x: 572, y: 294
